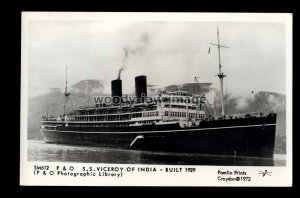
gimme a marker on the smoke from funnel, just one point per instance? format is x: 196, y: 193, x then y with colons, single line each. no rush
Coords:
x: 126, y: 51
x: 120, y: 71
x: 141, y: 45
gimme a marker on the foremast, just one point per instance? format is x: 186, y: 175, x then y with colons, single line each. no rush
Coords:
x: 221, y: 75
x: 66, y: 94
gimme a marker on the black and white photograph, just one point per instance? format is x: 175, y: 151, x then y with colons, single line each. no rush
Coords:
x: 191, y: 98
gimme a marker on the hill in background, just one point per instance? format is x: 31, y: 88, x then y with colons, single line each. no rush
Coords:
x: 82, y: 92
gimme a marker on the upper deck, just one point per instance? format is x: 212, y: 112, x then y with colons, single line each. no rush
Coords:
x: 165, y: 109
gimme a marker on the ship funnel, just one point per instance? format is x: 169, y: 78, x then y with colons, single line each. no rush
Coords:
x: 141, y: 88
x: 116, y: 88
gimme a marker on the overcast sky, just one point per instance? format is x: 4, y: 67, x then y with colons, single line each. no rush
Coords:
x: 166, y: 52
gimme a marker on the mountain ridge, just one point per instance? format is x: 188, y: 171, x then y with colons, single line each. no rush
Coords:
x: 82, y: 92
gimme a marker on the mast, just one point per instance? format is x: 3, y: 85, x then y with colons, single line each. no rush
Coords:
x: 221, y: 75
x: 66, y: 90
x: 66, y: 94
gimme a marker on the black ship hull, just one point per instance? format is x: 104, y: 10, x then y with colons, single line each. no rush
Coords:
x: 241, y: 137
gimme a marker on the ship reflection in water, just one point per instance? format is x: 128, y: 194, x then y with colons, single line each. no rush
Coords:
x: 40, y: 151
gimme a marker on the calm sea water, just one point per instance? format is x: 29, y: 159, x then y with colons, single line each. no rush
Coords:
x: 40, y: 151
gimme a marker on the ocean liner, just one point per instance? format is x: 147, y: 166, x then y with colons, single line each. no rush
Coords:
x: 172, y: 123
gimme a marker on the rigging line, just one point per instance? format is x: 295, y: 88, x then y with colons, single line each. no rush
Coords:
x: 79, y: 96
x: 80, y: 103
x: 226, y: 96
x: 262, y: 103
x: 195, y: 81
x: 206, y: 98
x: 47, y: 111
x: 53, y: 106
